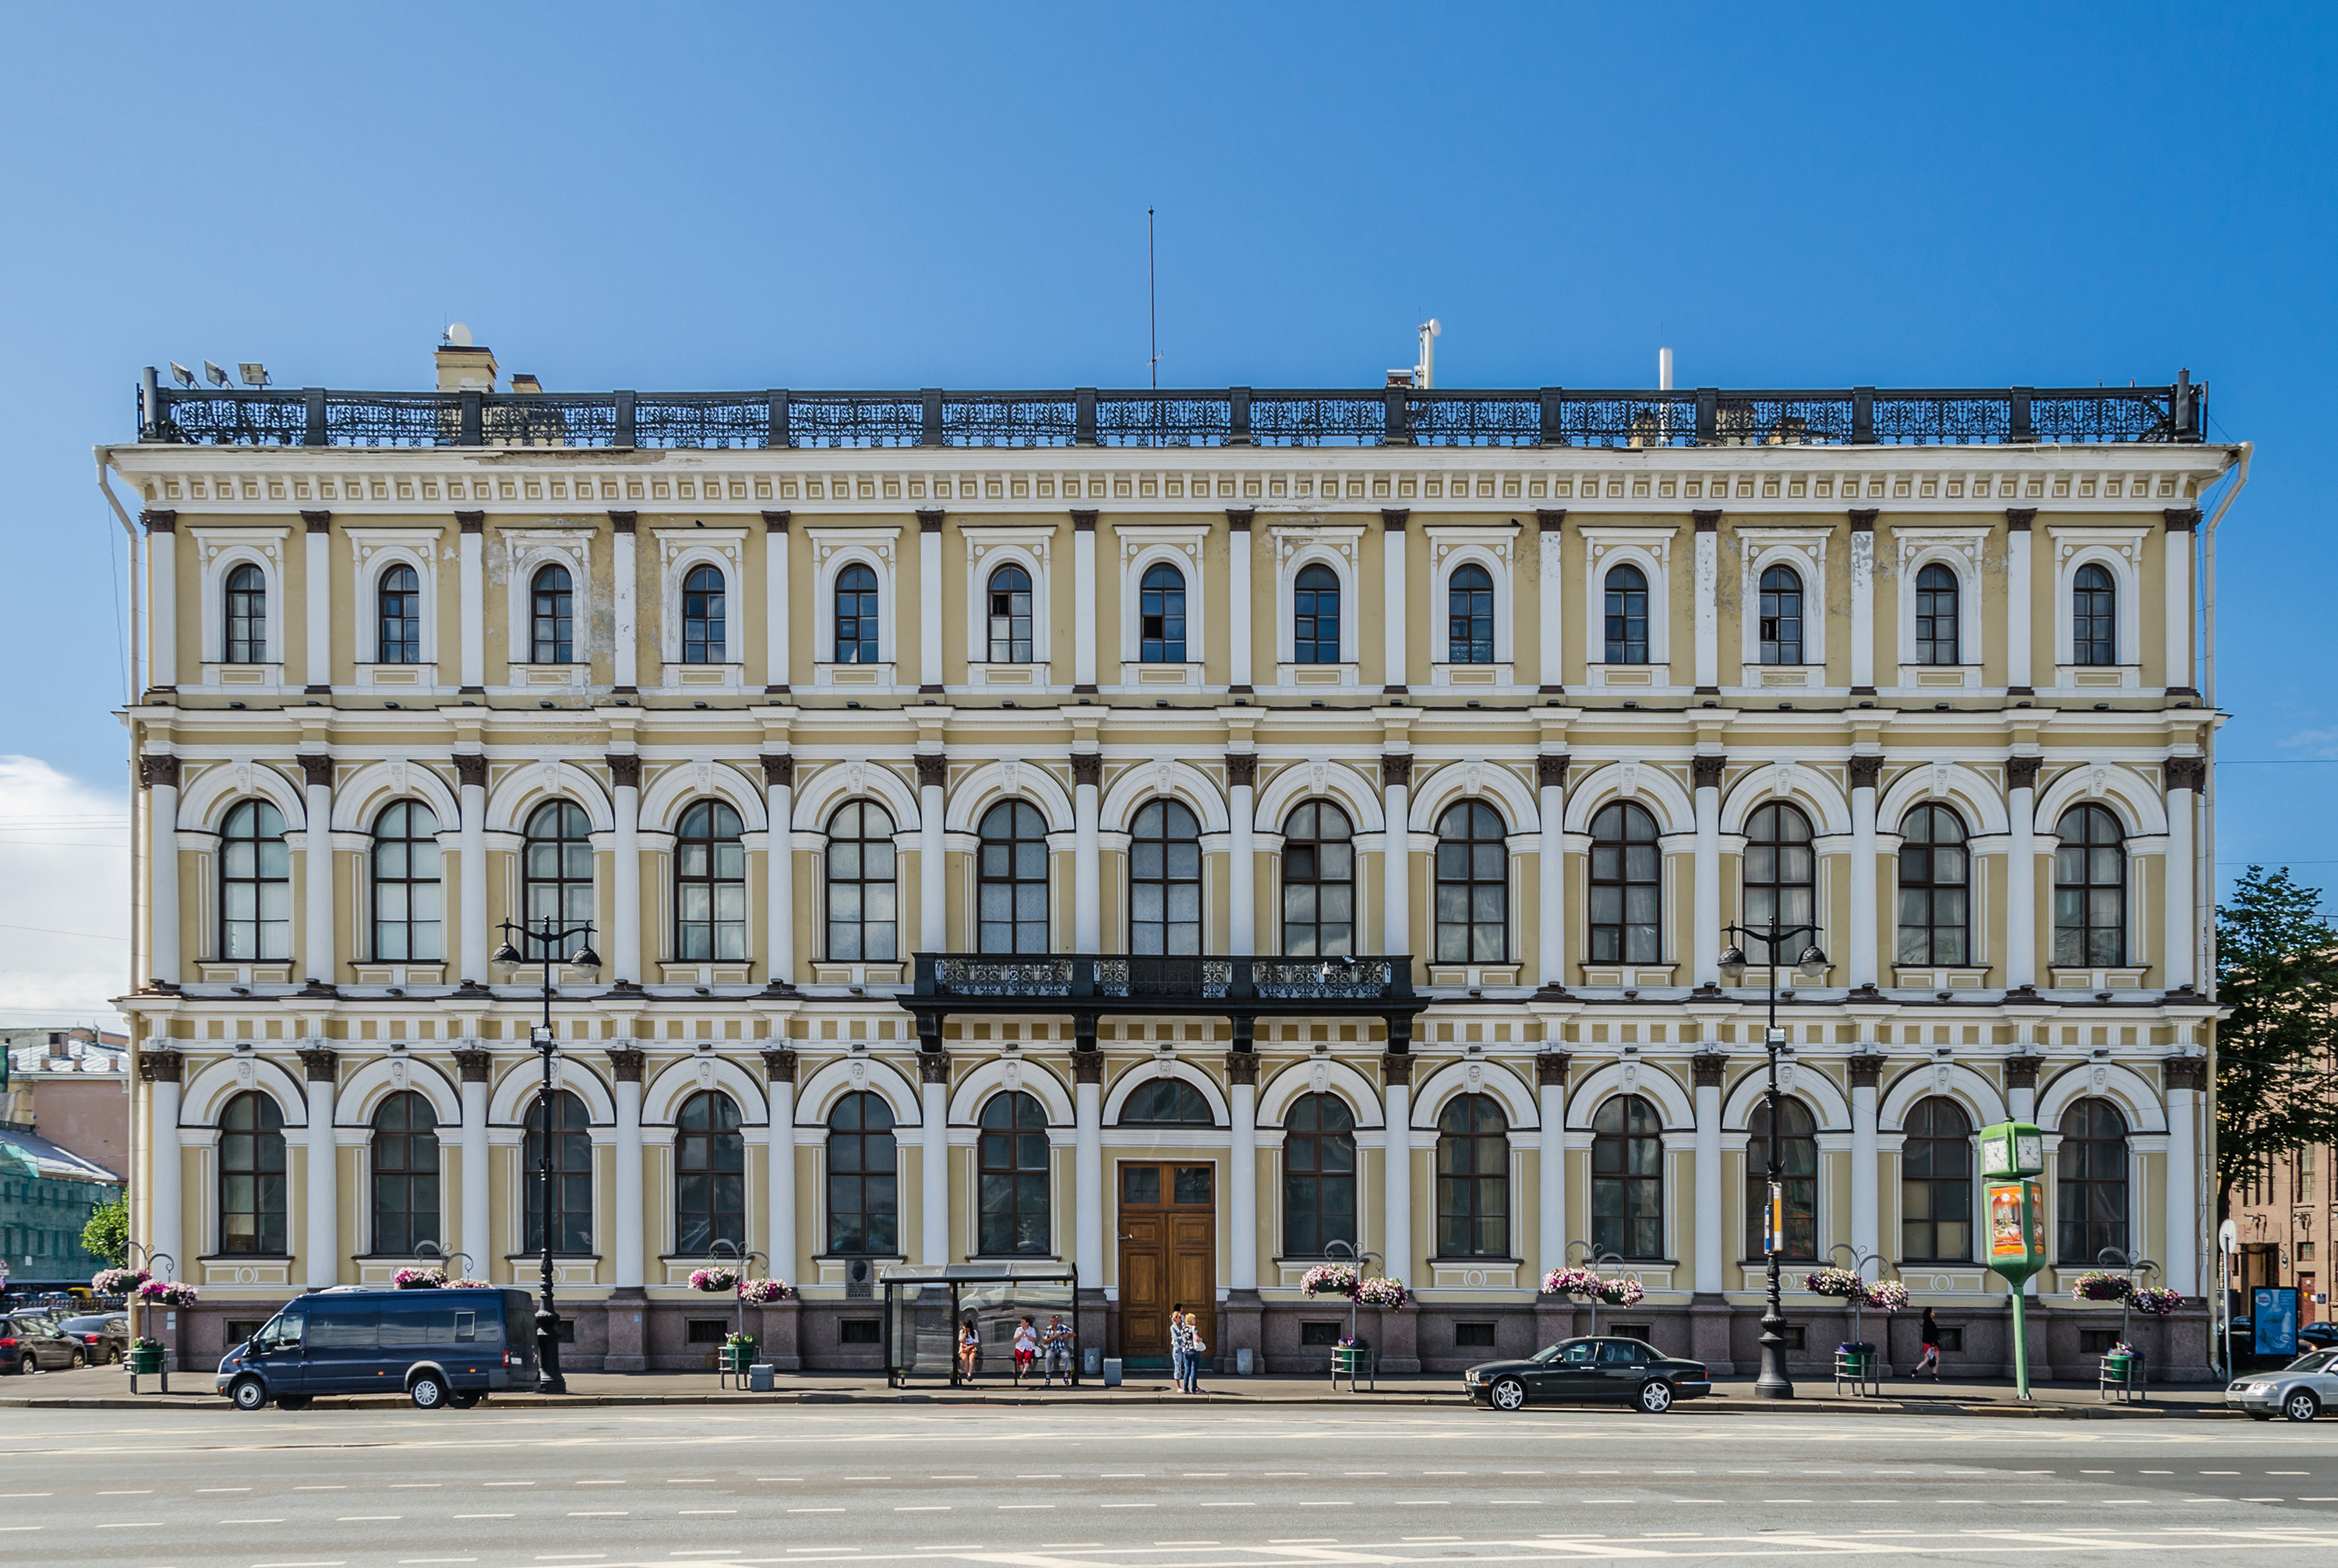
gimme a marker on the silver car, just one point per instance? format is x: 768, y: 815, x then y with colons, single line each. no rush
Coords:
x: 2298, y: 1392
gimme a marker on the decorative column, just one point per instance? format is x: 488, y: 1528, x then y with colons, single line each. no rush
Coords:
x: 474, y: 610
x: 1396, y: 1170
x: 1866, y: 1181
x: 776, y: 672
x: 476, y: 1236
x: 1242, y: 1080
x: 471, y: 781
x: 1862, y: 609
x: 2021, y: 1087
x: 316, y: 955
x: 1396, y: 855
x: 160, y: 775
x: 2185, y: 1077
x: 625, y: 575
x: 2018, y: 609
x: 780, y: 870
x: 322, y: 1264
x: 1709, y: 1313
x: 1088, y: 1154
x: 317, y: 563
x: 2181, y: 525
x: 933, y: 878
x: 1708, y: 603
x: 1553, y: 599
x: 1085, y: 589
x: 160, y: 1071
x: 1088, y: 859
x: 1392, y: 600
x: 162, y: 598
x: 1705, y: 772
x: 933, y: 1141
x: 2185, y: 777
x: 1242, y: 882
x: 626, y: 1062
x: 1238, y: 627
x: 1866, y: 773
x: 1551, y: 1158
x: 2021, y: 873
x: 780, y: 1074
x: 625, y: 947
x: 1550, y: 780
x: 930, y: 601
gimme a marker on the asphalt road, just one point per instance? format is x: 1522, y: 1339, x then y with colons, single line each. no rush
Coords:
x: 1153, y: 1488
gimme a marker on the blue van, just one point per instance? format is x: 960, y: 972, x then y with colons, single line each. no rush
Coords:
x: 439, y: 1347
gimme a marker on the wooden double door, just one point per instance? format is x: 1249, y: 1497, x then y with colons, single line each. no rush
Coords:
x: 1168, y: 1254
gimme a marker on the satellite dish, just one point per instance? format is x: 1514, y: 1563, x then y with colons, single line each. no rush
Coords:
x: 458, y: 336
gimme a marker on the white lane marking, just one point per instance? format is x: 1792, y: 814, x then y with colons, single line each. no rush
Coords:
x: 11, y: 1529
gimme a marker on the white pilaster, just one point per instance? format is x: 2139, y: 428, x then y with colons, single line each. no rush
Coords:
x: 477, y: 1238
x: 1241, y: 1160
x: 1241, y: 881
x: 1392, y: 600
x: 316, y: 955
x: 1087, y: 1180
x: 2181, y: 920
x: 1864, y: 946
x: 163, y: 601
x: 1551, y: 947
x: 1395, y: 864
x: 474, y: 613
x: 473, y: 854
x: 1087, y: 859
x: 161, y: 1217
x: 2021, y: 873
x: 933, y: 1141
x: 2178, y: 567
x: 1238, y: 626
x: 317, y: 563
x: 628, y: 619
x: 1550, y: 1160
x: 929, y: 601
x: 2182, y: 1245
x: 625, y: 954
x: 1708, y: 606
x: 1862, y: 604
x: 627, y: 1228
x: 1708, y: 869
x: 2017, y: 597
x: 321, y: 1266
x: 776, y: 673
x: 1085, y: 589
x: 2022, y: 1098
x: 1711, y: 1224
x: 163, y: 871
x: 1396, y: 1185
x: 780, y: 874
x: 933, y: 879
x: 1866, y: 1232
x: 786, y: 1261
x: 1553, y: 600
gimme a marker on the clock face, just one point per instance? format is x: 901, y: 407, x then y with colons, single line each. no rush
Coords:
x: 2033, y: 1152
x: 1992, y: 1154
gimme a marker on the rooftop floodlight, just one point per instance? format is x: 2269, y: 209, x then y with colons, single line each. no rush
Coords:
x: 253, y: 375
x: 1732, y: 964
x: 213, y: 374
x: 1812, y: 964
x: 182, y: 375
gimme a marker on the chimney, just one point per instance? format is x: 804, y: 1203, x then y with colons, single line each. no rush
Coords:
x: 523, y: 382
x: 463, y: 365
x: 57, y: 1048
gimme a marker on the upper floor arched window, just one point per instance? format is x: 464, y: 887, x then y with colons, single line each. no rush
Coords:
x: 552, y: 617
x: 255, y: 878
x: 1473, y: 886
x: 1627, y: 1178
x: 1164, y: 879
x: 1315, y: 616
x: 1011, y: 893
x: 860, y: 890
x: 404, y: 1157
x: 710, y: 1174
x: 556, y: 867
x: 2091, y: 1183
x: 572, y: 1175
x: 1318, y: 881
x: 1782, y: 616
x: 252, y: 1175
x: 1937, y: 623
x: 1470, y: 610
x: 1798, y: 1154
x: 1627, y: 885
x: 409, y: 897
x: 2093, y: 617
x: 1935, y: 877
x: 1628, y: 615
x: 858, y: 617
x: 1936, y: 1188
x: 398, y: 632
x: 1319, y: 1175
x: 246, y: 641
x: 1160, y: 615
x: 864, y: 1202
x: 704, y: 639
x: 1010, y: 616
x: 710, y: 883
x: 1473, y: 1179
x: 2089, y: 889
x: 1781, y: 877
x: 1165, y: 1103
x: 1013, y: 1155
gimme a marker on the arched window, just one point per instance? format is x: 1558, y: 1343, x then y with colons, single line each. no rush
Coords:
x: 1315, y: 616
x: 1780, y: 876
x: 703, y: 638
x: 2090, y: 1181
x: 553, y: 617
x: 1010, y: 616
x: 861, y: 883
x: 1473, y: 1179
x: 1014, y: 1196
x: 1936, y: 1190
x: 1627, y: 885
x: 2093, y: 617
x: 1627, y: 1178
x: 255, y: 884
x: 1935, y: 873
x: 247, y: 615
x: 1165, y: 1103
x: 1782, y: 616
x: 557, y: 866
x: 864, y: 1214
x: 1473, y: 887
x: 572, y: 1175
x: 1798, y: 1146
x: 408, y: 894
x: 251, y: 1176
x: 1161, y: 616
x: 710, y: 883
x: 1318, y: 881
x: 405, y: 1157
x: 1936, y: 616
x: 857, y: 615
x: 2089, y: 889
x: 398, y: 633
x: 1165, y: 880
x: 1012, y: 912
x: 710, y: 1174
x: 1470, y: 608
x: 1628, y: 615
x: 1319, y: 1175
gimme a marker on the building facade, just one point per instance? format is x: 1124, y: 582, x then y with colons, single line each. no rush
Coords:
x: 1168, y: 836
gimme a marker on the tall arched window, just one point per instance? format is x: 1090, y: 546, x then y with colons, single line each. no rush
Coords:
x: 1473, y: 887
x: 864, y: 1213
x: 1319, y: 1175
x: 1798, y: 1146
x: 255, y: 884
x: 710, y: 883
x: 710, y: 1174
x: 1470, y: 610
x: 1012, y: 908
x: 408, y: 893
x: 398, y: 635
x: 1165, y: 1103
x: 1780, y: 876
x: 1318, y: 881
x: 705, y: 638
x: 404, y: 1158
x: 2089, y: 889
x: 252, y: 1175
x: 1936, y: 616
x: 2093, y: 617
x: 2090, y: 1181
x: 1315, y: 616
x: 1627, y: 1178
x: 1628, y: 615
x: 857, y: 615
x: 1935, y: 874
x: 1160, y: 615
x: 1782, y: 616
x: 1627, y: 885
x: 553, y: 617
x: 1936, y: 1189
x: 861, y: 891
x: 1473, y: 1179
x: 247, y: 615
x: 1165, y: 880
x: 572, y: 1175
x: 1010, y: 616
x: 1013, y: 1176
x: 557, y: 866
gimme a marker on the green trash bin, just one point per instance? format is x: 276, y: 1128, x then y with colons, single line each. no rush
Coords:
x: 145, y: 1360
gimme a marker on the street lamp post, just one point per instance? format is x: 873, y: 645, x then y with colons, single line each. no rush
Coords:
x: 509, y: 958
x: 1773, y: 1383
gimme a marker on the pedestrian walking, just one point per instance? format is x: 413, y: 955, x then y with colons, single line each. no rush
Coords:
x: 1928, y: 1333
x: 969, y: 1349
x: 1055, y: 1345
x: 1027, y: 1348
x: 1181, y: 1339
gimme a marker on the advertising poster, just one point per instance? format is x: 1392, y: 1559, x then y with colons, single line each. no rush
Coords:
x: 2005, y: 1232
x: 2273, y: 1309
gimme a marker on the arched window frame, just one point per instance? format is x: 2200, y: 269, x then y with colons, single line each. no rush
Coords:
x: 1615, y: 874
x: 1460, y: 827
x: 380, y: 552
x: 1139, y: 1105
x: 1932, y: 877
x: 221, y: 550
x: 1804, y: 1194
x: 1319, y: 1175
x: 704, y: 623
x: 1144, y: 547
x: 989, y: 549
x: 1624, y: 611
x: 1650, y: 550
x: 397, y: 615
x: 1627, y: 1178
x: 1029, y: 929
x: 245, y: 614
x: 2093, y: 617
x: 710, y: 1174
x: 1318, y: 621
x: 1768, y: 867
x: 1010, y: 601
x: 1012, y: 1160
x: 2094, y: 1181
x: 1804, y: 552
x: 572, y: 1175
x: 710, y: 883
x: 1166, y: 895
x: 2118, y: 552
x: 859, y: 876
x: 552, y: 614
x: 1317, y: 878
x: 1489, y: 550
x: 1937, y: 1186
x: 862, y: 1203
x: 266, y: 871
x: 1473, y: 1179
x: 1161, y: 595
x: 572, y: 901
x: 1779, y: 615
x: 533, y: 549
x: 406, y: 888
x: 1957, y: 553
x: 403, y: 1175
x: 253, y: 1195
x: 836, y: 550
x: 1335, y: 549
x: 2079, y: 943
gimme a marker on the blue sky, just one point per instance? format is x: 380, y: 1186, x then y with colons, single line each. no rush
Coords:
x: 907, y: 195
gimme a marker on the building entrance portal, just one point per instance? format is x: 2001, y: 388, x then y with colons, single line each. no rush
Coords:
x: 1168, y: 1255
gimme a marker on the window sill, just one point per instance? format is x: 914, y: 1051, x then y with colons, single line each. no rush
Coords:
x: 1940, y: 677
x: 1467, y: 676
x: 391, y: 971
x: 1301, y: 677
x: 1473, y: 974
x: 1629, y: 675
x: 1029, y: 676
x: 405, y: 677
x: 1135, y: 674
x: 707, y: 972
x: 2093, y: 677
x: 879, y: 677
x: 1951, y: 977
x: 1633, y: 975
x: 681, y: 677
x: 570, y: 677
x: 2110, y: 977
x: 241, y: 677
x: 1782, y: 676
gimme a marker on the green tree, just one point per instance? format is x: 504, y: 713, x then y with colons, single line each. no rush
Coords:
x: 2277, y: 1046
x: 107, y: 1234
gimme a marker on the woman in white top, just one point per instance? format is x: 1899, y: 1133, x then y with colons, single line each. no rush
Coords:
x: 1026, y: 1349
x: 1181, y: 1346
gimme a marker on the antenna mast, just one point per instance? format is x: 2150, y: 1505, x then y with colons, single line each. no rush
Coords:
x: 1152, y: 303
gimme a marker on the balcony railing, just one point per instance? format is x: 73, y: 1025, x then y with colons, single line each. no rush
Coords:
x: 1072, y: 983
x: 1218, y: 416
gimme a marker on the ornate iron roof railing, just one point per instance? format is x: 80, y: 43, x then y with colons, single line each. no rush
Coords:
x: 963, y: 982
x: 1231, y: 416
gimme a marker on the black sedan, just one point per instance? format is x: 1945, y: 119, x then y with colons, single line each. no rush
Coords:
x: 1612, y: 1370
x: 106, y: 1334
x: 32, y: 1342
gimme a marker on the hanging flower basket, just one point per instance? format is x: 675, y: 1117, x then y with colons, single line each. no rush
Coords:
x: 2102, y: 1286
x: 1331, y: 1279
x: 1621, y: 1292
x: 1382, y: 1293
x: 154, y: 1292
x: 762, y: 1292
x: 715, y: 1280
x: 2156, y: 1301
x: 1570, y: 1282
x: 1887, y: 1295
x: 1840, y: 1283
x: 470, y: 1284
x: 419, y: 1279
x: 118, y: 1281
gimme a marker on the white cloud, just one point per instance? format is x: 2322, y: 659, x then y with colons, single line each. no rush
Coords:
x: 65, y: 895
x: 2313, y: 742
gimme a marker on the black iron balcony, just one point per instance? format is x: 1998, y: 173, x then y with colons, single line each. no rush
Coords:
x: 1117, y: 983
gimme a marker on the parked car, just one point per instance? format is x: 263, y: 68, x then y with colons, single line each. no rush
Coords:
x: 438, y: 1347
x: 107, y: 1334
x: 32, y: 1342
x: 1612, y: 1370
x: 2317, y: 1336
x: 2298, y: 1392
